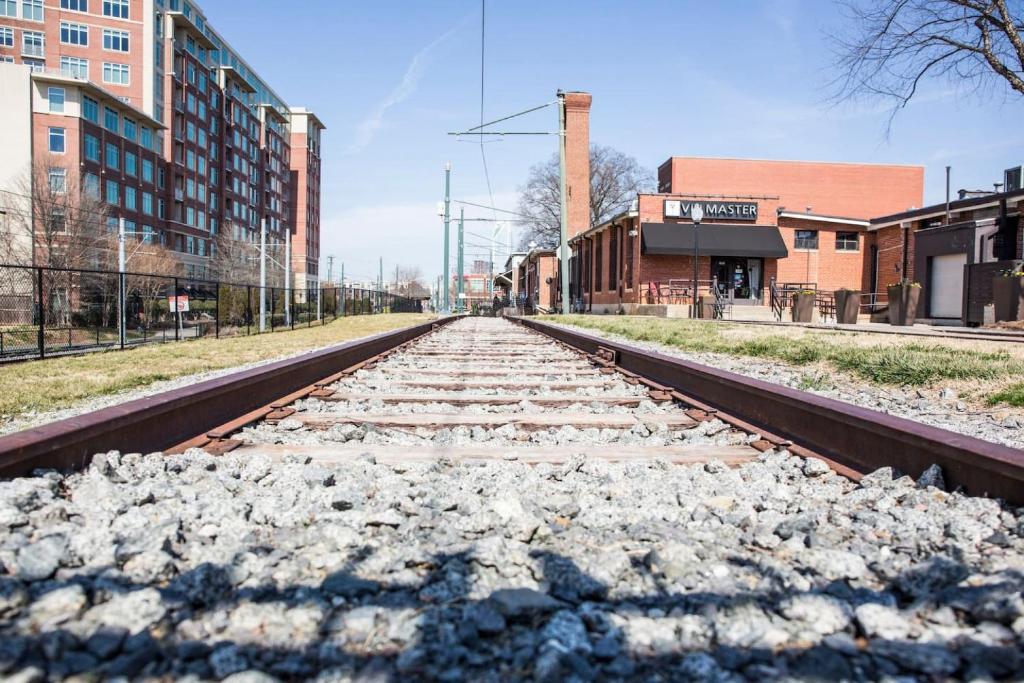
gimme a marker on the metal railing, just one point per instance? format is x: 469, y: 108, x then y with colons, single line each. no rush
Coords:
x: 55, y: 311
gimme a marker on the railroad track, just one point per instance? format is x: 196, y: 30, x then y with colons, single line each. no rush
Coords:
x: 484, y: 389
x: 475, y: 499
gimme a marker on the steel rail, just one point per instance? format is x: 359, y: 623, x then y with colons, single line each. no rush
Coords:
x: 854, y: 437
x: 158, y: 422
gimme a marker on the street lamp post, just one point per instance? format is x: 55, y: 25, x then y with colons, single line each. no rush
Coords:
x: 697, y: 215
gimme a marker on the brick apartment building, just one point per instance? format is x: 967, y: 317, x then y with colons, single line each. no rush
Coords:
x: 187, y: 141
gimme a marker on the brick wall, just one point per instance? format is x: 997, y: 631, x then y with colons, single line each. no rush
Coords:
x: 828, y: 267
x: 890, y: 255
x: 833, y: 189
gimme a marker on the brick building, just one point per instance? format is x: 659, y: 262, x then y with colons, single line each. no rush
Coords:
x: 764, y: 221
x: 953, y: 257
x: 231, y: 154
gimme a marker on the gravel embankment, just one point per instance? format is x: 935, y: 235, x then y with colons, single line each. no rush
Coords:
x: 941, y: 408
x: 201, y: 567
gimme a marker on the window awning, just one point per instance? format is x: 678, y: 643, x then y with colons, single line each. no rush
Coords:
x: 714, y: 239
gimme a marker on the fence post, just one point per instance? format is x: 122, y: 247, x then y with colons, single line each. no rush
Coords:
x: 177, y: 312
x: 42, y: 316
x: 122, y: 310
x: 248, y: 310
x: 216, y: 316
x: 271, y: 309
x: 290, y: 310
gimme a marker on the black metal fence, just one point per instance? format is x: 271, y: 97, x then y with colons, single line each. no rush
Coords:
x: 50, y: 311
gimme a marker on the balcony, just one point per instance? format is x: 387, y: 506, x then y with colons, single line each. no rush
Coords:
x: 33, y: 50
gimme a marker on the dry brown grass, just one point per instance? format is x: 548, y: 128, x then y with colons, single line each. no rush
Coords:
x: 57, y: 383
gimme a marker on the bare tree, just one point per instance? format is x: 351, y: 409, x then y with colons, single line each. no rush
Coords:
x: 238, y: 260
x: 63, y: 220
x: 615, y: 179
x: 410, y: 281
x: 894, y: 45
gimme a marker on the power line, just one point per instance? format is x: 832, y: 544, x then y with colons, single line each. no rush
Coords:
x: 492, y: 208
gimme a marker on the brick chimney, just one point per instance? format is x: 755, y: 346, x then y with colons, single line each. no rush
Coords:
x: 577, y: 160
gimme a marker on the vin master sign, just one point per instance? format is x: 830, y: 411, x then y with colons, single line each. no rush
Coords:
x: 734, y: 211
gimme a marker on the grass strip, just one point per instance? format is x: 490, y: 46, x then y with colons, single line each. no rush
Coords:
x: 56, y: 383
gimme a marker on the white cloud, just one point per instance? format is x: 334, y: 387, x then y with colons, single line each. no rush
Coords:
x: 368, y: 128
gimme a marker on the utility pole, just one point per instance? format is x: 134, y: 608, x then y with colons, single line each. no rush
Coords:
x: 342, y: 295
x: 263, y: 275
x: 447, y: 221
x: 121, y: 263
x: 462, y: 247
x: 288, y: 277
x: 330, y: 269
x: 563, y: 248
x: 380, y: 285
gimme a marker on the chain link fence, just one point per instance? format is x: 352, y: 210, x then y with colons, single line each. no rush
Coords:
x: 55, y: 311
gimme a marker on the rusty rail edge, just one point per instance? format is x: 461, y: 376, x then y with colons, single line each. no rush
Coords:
x: 156, y: 422
x: 861, y: 439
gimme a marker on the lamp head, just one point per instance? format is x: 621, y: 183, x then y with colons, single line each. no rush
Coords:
x: 697, y: 213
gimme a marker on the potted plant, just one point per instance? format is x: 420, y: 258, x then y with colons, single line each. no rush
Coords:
x: 1008, y: 294
x: 803, y: 305
x: 847, y: 306
x: 903, y: 297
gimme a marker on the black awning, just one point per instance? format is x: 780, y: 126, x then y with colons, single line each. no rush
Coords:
x: 714, y: 239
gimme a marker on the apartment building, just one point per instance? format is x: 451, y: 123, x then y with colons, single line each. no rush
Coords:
x: 224, y: 140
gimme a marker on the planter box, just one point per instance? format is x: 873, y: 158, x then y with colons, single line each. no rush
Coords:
x: 803, y: 307
x: 903, y: 304
x: 847, y: 306
x: 1008, y: 297
x: 707, y: 306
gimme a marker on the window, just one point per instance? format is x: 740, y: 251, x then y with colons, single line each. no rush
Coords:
x: 76, y: 67
x: 113, y: 156
x: 36, y: 66
x: 8, y: 8
x: 129, y: 129
x: 58, y: 221
x: 57, y: 140
x: 115, y: 8
x: 92, y: 148
x: 847, y: 241
x: 58, y: 180
x: 75, y: 5
x: 74, y: 34
x: 56, y: 98
x: 115, y: 40
x: 131, y: 164
x: 146, y: 138
x: 130, y: 198
x: 113, y: 193
x: 111, y: 120
x: 32, y: 43
x: 147, y: 203
x: 32, y: 9
x: 117, y: 74
x: 147, y: 170
x: 90, y: 109
x: 6, y: 37
x: 91, y: 185
x: 806, y: 239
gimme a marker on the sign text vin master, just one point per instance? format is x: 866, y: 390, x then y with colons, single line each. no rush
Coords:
x: 734, y: 211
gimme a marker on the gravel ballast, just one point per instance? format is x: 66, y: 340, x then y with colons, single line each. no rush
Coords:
x: 244, y: 569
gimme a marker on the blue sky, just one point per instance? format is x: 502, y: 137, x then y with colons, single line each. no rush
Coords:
x: 737, y: 78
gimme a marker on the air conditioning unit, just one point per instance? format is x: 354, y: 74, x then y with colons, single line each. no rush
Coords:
x: 1012, y: 179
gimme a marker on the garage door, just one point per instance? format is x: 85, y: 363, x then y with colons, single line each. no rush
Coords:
x: 946, y: 290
